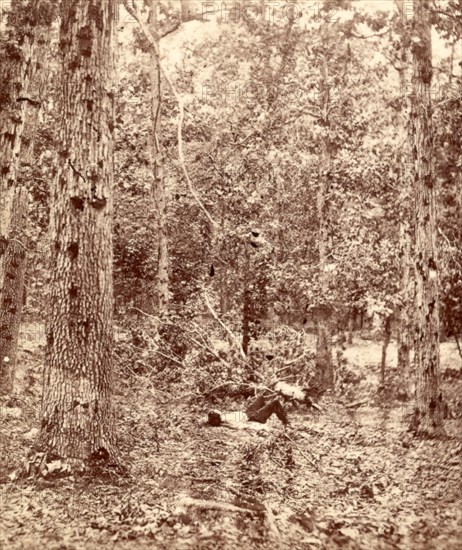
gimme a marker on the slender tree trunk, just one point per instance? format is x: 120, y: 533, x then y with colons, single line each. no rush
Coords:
x: 428, y: 412
x: 15, y: 76
x: 324, y: 371
x: 246, y: 305
x: 30, y: 32
x: 386, y: 342
x: 158, y: 188
x: 77, y: 421
x: 223, y: 287
x: 246, y: 309
x: 12, y: 292
x: 351, y: 323
x: 185, y: 11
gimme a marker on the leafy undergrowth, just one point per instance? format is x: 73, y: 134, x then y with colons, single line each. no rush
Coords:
x: 335, y: 478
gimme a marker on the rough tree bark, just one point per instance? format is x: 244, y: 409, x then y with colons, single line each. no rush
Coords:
x: 15, y: 76
x: 12, y: 292
x: 405, y: 312
x: 428, y: 411
x: 405, y: 321
x: 77, y: 421
x: 29, y: 34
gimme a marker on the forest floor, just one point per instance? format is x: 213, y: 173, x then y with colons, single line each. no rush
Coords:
x: 340, y: 477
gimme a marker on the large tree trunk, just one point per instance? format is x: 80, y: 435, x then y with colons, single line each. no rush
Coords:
x: 405, y: 312
x: 428, y: 412
x: 158, y: 187
x: 77, y: 421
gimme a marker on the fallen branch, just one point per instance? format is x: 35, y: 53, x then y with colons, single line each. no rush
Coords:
x: 255, y: 387
x: 150, y: 315
x: 292, y: 361
x: 203, y: 345
x: 213, y: 505
x: 20, y: 243
x: 171, y: 29
x: 168, y: 357
x: 271, y: 521
x: 234, y: 340
x: 230, y: 383
x: 356, y: 404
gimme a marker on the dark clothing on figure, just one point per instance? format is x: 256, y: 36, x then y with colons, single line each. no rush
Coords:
x: 260, y: 411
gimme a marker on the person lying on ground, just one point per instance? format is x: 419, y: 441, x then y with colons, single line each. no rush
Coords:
x: 258, y: 411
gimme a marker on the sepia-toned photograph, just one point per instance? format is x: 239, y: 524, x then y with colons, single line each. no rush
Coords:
x: 231, y: 274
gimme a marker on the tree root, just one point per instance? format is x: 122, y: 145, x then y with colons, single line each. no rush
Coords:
x: 40, y: 464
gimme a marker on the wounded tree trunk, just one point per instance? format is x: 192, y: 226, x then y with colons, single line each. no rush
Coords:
x: 404, y: 335
x: 428, y: 411
x: 29, y: 30
x: 77, y: 421
x: 12, y: 292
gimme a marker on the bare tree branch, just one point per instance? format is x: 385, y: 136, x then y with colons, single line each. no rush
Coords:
x: 146, y: 31
x: 228, y: 331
